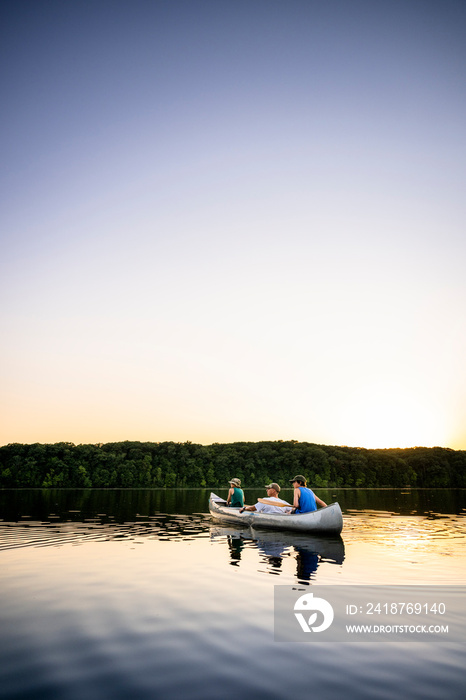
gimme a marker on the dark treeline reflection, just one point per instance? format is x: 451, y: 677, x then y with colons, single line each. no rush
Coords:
x: 169, y: 465
x: 121, y: 505
x: 425, y: 502
x: 130, y: 505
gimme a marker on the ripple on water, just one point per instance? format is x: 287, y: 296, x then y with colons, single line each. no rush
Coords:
x: 172, y: 618
x: 50, y: 533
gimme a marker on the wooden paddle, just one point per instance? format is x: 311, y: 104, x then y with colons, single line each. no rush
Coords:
x: 266, y: 502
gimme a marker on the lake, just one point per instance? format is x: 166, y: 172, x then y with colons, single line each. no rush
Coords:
x: 138, y: 593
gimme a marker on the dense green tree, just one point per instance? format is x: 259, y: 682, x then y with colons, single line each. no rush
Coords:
x: 168, y: 464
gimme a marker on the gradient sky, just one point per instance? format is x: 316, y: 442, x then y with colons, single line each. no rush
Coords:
x: 233, y: 220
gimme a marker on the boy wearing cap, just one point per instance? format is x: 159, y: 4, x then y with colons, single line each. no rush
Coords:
x: 273, y: 490
x: 304, y: 501
x: 235, y: 494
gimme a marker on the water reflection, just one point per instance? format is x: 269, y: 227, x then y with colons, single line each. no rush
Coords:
x: 125, y: 504
x: 70, y: 527
x: 393, y: 528
x: 274, y: 547
x: 235, y: 546
x: 107, y: 595
x: 162, y: 526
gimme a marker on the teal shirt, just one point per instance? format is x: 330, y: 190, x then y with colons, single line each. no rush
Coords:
x: 237, y: 500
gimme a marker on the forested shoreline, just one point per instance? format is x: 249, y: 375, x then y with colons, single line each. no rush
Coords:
x: 169, y: 465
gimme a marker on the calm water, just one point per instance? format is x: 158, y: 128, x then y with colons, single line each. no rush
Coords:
x: 137, y: 593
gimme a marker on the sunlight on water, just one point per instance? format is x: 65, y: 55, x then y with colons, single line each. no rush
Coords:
x: 105, y: 598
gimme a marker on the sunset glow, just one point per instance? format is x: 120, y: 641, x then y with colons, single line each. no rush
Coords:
x: 388, y: 416
x: 233, y: 221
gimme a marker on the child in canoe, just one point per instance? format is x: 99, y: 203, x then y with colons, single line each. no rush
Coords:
x: 235, y: 494
x: 304, y: 501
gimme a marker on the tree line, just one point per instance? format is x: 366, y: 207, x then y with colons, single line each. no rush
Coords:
x: 170, y: 464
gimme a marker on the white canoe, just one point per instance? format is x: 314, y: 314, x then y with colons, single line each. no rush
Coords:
x: 325, y: 520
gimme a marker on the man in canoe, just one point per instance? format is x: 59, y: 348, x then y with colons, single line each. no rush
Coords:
x: 304, y: 501
x: 235, y: 497
x: 267, y: 505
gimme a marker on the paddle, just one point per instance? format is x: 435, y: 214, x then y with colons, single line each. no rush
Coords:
x: 266, y: 502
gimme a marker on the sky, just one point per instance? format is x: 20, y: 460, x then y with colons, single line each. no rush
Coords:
x: 233, y: 220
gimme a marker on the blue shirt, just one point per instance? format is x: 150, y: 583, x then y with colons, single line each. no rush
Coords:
x: 307, y: 501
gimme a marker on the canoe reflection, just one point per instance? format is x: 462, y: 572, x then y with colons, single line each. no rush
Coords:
x: 274, y: 547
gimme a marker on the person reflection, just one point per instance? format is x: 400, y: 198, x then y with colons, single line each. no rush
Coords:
x: 235, y: 545
x: 272, y: 552
x: 306, y: 563
x: 275, y: 564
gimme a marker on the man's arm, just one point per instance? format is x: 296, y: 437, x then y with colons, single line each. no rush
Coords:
x: 319, y: 502
x: 247, y: 508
